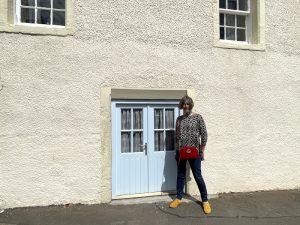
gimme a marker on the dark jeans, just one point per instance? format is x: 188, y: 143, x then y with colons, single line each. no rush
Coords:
x: 195, y: 165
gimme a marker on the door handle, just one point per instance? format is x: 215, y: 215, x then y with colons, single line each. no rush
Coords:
x: 144, y: 148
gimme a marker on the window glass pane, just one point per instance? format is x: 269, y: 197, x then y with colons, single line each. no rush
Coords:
x: 241, y: 21
x: 221, y: 19
x: 243, y: 5
x: 58, y: 18
x: 125, y: 142
x: 28, y: 2
x: 43, y: 16
x: 27, y: 15
x: 169, y: 118
x: 241, y: 34
x: 158, y: 140
x: 125, y: 119
x: 222, y: 4
x: 137, y: 141
x: 59, y: 4
x: 222, y: 33
x: 170, y: 140
x: 158, y: 119
x: 232, y: 4
x: 44, y: 3
x: 230, y: 20
x: 137, y: 119
x: 230, y: 33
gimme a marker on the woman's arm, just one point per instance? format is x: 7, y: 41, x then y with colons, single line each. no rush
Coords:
x: 177, y: 136
x: 203, y: 132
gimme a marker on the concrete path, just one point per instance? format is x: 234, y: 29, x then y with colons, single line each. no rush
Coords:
x: 259, y: 208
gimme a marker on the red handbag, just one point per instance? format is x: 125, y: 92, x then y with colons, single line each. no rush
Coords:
x: 188, y: 152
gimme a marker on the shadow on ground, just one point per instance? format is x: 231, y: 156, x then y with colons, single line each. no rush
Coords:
x: 259, y: 208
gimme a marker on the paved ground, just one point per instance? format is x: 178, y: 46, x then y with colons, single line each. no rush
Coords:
x: 259, y: 208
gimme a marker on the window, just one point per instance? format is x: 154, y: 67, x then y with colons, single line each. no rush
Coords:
x: 132, y: 130
x: 164, y: 129
x: 41, y: 17
x: 239, y: 24
x: 234, y: 20
x: 41, y: 12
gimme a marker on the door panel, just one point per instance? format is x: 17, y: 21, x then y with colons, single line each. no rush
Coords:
x: 131, y: 158
x: 161, y: 142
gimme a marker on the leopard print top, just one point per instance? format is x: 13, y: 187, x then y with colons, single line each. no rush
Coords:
x: 189, y: 130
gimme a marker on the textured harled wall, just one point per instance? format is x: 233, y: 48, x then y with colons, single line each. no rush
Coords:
x: 50, y: 129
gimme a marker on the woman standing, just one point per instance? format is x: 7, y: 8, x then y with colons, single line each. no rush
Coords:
x: 190, y: 127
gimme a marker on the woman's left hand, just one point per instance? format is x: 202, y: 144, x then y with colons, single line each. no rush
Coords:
x: 202, y: 153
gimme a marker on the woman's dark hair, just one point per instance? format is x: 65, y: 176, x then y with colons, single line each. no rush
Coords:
x: 186, y: 99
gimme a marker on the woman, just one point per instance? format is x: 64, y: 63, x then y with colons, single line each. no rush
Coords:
x: 189, y: 128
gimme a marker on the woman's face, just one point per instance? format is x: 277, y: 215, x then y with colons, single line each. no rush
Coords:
x: 186, y: 108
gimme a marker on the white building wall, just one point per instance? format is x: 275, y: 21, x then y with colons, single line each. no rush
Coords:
x: 50, y: 101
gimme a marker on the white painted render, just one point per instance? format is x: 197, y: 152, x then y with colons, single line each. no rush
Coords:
x: 50, y: 112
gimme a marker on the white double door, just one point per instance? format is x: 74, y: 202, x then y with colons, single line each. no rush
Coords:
x: 143, y: 147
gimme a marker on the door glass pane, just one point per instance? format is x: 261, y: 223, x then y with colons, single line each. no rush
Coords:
x: 230, y: 20
x: 43, y: 16
x: 241, y: 21
x: 169, y: 113
x: 125, y: 142
x: 241, y: 34
x: 158, y: 119
x: 137, y: 119
x: 158, y: 140
x: 137, y: 141
x: 58, y: 18
x: 243, y: 5
x: 44, y: 3
x: 170, y: 140
x: 59, y: 4
x: 125, y: 119
x: 27, y: 15
x: 222, y: 4
x: 230, y: 34
x: 28, y: 2
x: 232, y: 4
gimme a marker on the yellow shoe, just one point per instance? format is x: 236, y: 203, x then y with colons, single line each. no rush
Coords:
x: 206, y: 207
x: 175, y: 203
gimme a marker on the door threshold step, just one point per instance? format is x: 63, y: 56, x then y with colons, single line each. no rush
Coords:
x: 142, y: 200
x: 156, y: 199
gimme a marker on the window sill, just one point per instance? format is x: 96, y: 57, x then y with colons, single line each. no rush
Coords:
x: 241, y: 46
x: 37, y: 30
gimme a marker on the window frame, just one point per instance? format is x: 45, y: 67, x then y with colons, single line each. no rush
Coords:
x: 255, y: 23
x: 248, y: 22
x: 17, y: 14
x: 9, y: 24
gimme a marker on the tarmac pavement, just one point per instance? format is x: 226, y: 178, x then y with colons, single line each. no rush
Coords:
x: 257, y: 208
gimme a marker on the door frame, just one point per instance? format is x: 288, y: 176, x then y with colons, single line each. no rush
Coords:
x: 106, y: 95
x: 133, y: 103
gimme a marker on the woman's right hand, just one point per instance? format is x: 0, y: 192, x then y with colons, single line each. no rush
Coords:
x: 177, y: 156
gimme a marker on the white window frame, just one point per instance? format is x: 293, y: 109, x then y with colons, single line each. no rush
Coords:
x: 17, y: 12
x: 237, y: 12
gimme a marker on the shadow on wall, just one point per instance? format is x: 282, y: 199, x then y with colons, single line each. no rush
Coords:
x: 169, y: 183
x: 169, y: 174
x: 2, y: 203
x: 1, y: 84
